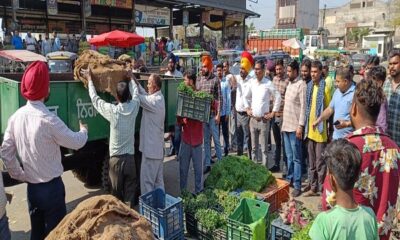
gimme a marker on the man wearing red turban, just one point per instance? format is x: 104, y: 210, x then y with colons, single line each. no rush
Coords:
x: 36, y: 134
x: 209, y: 83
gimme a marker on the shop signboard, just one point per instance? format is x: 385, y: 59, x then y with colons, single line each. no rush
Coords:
x: 113, y: 3
x: 52, y: 7
x: 148, y: 15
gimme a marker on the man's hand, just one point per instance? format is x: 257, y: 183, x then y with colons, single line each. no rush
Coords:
x: 83, y: 126
x: 269, y: 116
x: 87, y: 73
x: 299, y: 132
x: 343, y: 124
x: 218, y: 118
x: 315, y: 124
x: 249, y: 112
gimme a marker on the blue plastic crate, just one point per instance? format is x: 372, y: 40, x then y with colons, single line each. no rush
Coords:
x: 280, y: 231
x: 164, y: 212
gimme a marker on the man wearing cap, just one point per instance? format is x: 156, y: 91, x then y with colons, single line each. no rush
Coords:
x: 172, y: 71
x: 241, y: 104
x: 36, y: 134
x: 209, y: 83
x: 176, y: 134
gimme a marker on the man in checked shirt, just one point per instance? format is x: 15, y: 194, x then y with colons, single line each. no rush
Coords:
x: 209, y: 83
x: 122, y: 118
x: 36, y: 134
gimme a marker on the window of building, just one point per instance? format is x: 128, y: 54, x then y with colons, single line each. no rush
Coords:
x: 355, y: 5
x: 363, y: 4
x: 370, y: 4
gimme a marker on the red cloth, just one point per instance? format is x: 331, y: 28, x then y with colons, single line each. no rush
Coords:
x: 192, y: 131
x: 379, y: 176
x: 248, y: 56
x: 36, y: 81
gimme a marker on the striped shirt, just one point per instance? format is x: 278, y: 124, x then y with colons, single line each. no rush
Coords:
x: 295, y: 106
x: 226, y: 97
x: 36, y: 134
x: 393, y: 111
x: 122, y: 119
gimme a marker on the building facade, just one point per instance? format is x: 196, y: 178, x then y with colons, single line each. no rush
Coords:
x: 369, y: 15
x: 297, y: 14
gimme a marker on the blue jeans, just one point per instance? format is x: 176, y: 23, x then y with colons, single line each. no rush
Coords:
x: 46, y: 202
x: 177, y: 138
x: 4, y: 229
x: 186, y: 153
x: 293, y: 147
x: 211, y: 129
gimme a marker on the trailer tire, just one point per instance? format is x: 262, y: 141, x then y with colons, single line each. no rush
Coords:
x: 105, y: 177
x: 89, y: 175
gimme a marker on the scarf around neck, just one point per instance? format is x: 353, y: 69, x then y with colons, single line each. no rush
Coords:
x: 319, y: 104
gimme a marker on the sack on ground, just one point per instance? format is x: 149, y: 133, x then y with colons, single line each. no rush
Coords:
x: 102, y: 218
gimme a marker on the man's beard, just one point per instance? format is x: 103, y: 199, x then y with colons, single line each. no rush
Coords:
x: 206, y: 73
x: 171, y: 69
x: 243, y: 75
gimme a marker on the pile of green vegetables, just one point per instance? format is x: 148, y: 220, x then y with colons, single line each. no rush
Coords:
x: 182, y: 88
x: 234, y: 172
x: 303, y: 233
x: 211, y: 208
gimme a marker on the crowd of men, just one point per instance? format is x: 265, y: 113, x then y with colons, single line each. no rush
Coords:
x: 339, y: 140
x: 45, y: 45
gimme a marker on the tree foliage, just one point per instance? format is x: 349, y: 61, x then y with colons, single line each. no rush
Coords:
x: 396, y: 13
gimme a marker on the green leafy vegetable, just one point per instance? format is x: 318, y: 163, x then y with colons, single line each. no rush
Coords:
x: 303, y: 233
x: 182, y: 88
x: 232, y: 173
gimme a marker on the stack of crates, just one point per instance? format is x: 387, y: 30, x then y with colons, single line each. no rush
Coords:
x: 193, y: 107
x: 164, y: 213
x: 282, y: 33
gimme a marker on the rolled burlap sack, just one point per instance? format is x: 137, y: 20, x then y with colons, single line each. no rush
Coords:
x: 106, y: 72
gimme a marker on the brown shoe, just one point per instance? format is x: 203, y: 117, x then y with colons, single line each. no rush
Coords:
x: 311, y: 194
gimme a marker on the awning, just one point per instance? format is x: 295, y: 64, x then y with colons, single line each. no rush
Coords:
x: 22, y: 56
x: 217, y: 5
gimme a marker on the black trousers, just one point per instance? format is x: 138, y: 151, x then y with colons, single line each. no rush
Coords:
x: 123, y: 177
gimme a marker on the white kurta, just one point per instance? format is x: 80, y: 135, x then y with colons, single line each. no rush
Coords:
x: 151, y: 140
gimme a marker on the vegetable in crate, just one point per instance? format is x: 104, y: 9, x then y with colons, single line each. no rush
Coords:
x: 210, y: 219
x: 296, y: 215
x: 303, y: 233
x: 182, y: 88
x: 235, y: 172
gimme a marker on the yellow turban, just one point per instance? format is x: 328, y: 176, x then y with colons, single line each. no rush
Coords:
x: 246, y: 64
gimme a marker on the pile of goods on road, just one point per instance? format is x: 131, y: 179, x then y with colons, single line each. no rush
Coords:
x: 102, y: 217
x: 106, y: 72
x: 230, y: 180
x: 295, y: 214
x: 238, y: 173
x: 211, y: 208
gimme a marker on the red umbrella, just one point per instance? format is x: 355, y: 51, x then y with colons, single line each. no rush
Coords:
x: 117, y: 38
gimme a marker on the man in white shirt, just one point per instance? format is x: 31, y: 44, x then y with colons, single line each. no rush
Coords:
x: 35, y: 134
x: 175, y: 135
x: 30, y: 42
x: 152, y: 135
x: 243, y: 86
x: 261, y: 90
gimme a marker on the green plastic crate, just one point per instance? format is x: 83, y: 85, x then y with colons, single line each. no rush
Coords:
x: 249, y: 221
x: 193, y: 108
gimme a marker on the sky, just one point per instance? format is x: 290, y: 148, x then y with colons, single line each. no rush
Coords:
x: 266, y: 8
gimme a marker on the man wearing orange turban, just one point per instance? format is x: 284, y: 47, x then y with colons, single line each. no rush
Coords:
x: 209, y: 83
x: 242, y: 103
x: 36, y: 134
